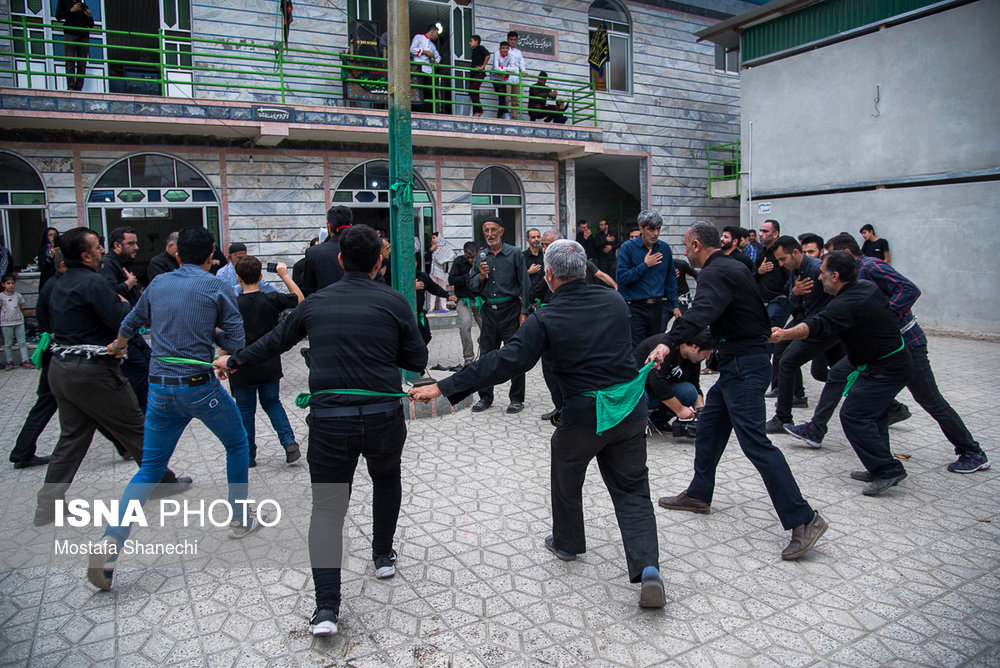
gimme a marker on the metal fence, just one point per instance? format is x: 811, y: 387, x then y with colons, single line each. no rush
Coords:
x: 172, y: 65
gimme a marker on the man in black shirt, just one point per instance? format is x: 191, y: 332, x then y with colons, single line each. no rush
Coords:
x: 674, y: 390
x: 860, y: 315
x: 466, y: 308
x: 874, y: 246
x: 83, y: 310
x: 166, y: 261
x: 538, y: 107
x: 360, y: 332
x: 322, y: 267
x: 585, y: 331
x: 534, y: 261
x: 607, y: 248
x: 808, y: 298
x: 480, y: 59
x: 727, y: 300
x: 585, y: 237
x: 732, y: 239
x: 124, y: 247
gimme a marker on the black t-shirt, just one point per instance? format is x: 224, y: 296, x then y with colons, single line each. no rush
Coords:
x: 479, y: 54
x: 260, y: 311
x: 875, y: 249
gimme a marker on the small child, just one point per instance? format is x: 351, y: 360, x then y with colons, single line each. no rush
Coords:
x: 12, y: 322
x: 261, y: 312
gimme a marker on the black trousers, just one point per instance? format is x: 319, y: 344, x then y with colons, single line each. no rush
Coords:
x: 45, y: 407
x: 790, y: 359
x: 865, y: 419
x: 736, y: 403
x: 77, y: 49
x: 89, y: 395
x: 334, y: 447
x: 621, y: 459
x: 647, y: 319
x: 499, y: 325
x: 922, y: 386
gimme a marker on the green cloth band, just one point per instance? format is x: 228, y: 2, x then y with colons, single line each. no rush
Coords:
x: 615, y: 403
x: 302, y: 401
x: 405, y: 189
x: 478, y: 303
x: 44, y: 341
x: 423, y: 320
x: 183, y: 360
x: 499, y: 300
x: 539, y: 304
x: 853, y: 376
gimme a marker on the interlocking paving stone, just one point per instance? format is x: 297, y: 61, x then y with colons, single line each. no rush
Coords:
x: 910, y: 578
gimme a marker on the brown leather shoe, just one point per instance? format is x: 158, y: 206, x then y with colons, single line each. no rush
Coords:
x: 684, y: 502
x: 804, y: 537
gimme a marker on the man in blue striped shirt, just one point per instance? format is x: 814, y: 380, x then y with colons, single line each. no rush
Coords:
x: 186, y: 308
x: 646, y: 278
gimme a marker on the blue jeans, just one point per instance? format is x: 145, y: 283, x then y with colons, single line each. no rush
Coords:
x: 736, y: 402
x: 168, y: 413
x: 270, y: 401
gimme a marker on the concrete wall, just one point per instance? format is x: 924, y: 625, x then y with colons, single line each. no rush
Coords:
x: 939, y: 236
x: 814, y: 116
x: 815, y: 125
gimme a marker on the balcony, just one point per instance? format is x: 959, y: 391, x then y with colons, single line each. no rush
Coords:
x: 164, y: 84
x: 724, y: 170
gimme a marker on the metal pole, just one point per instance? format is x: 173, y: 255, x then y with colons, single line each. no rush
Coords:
x: 401, y: 156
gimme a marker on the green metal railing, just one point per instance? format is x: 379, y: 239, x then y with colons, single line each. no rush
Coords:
x: 726, y: 157
x: 167, y: 62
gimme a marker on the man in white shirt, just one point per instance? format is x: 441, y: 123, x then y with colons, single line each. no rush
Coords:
x: 505, y: 76
x: 520, y: 65
x: 422, y: 50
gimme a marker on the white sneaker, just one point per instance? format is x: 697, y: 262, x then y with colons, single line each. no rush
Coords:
x: 323, y: 622
x: 237, y: 530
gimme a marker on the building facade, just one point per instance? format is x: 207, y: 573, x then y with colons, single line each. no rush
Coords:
x: 883, y: 113
x: 206, y: 113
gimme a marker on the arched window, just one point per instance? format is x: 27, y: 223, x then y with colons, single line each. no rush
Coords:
x: 616, y: 74
x: 365, y: 190
x: 155, y: 194
x: 497, y: 193
x: 22, y: 211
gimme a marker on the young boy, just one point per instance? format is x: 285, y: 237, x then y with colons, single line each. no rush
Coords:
x: 12, y: 321
x: 260, y: 311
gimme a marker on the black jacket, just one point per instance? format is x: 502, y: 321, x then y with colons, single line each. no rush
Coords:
x: 322, y: 267
x: 727, y: 300
x: 114, y: 270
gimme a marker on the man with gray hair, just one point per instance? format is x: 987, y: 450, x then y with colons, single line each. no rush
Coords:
x: 166, y: 261
x: 646, y: 278
x: 728, y: 301
x: 584, y: 332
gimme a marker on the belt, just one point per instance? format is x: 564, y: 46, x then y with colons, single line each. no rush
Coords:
x: 355, y: 411
x: 103, y: 360
x: 650, y: 300
x: 190, y: 381
x: 496, y: 306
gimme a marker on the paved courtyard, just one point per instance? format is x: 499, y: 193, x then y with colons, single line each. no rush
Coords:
x: 908, y: 578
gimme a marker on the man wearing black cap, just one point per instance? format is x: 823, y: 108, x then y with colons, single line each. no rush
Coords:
x: 538, y: 96
x: 238, y: 251
x: 322, y: 267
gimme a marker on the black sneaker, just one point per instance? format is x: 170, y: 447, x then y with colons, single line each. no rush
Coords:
x: 775, y: 425
x: 292, y: 453
x: 970, y: 462
x: 800, y: 402
x: 34, y: 460
x: 323, y: 622
x: 805, y: 433
x: 563, y: 555
x: 898, y: 415
x: 385, y: 565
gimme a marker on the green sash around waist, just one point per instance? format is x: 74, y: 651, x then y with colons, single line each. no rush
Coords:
x: 853, y: 376
x: 616, y: 402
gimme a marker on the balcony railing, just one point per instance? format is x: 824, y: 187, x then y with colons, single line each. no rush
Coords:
x: 724, y: 165
x: 172, y: 65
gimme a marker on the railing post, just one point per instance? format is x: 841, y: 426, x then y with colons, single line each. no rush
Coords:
x: 593, y: 94
x: 281, y: 71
